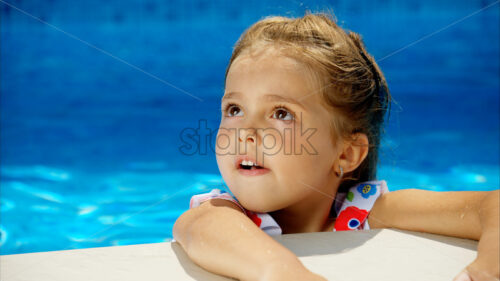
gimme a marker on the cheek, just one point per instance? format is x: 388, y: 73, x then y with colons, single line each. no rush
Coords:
x: 224, y: 148
x: 272, y: 142
x: 310, y: 157
x: 224, y: 142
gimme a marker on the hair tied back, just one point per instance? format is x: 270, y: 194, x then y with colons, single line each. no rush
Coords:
x: 379, y: 91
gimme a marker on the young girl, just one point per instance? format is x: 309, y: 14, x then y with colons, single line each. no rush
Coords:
x: 297, y: 146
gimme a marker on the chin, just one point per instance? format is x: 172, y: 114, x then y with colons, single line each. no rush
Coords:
x: 252, y: 206
x: 254, y: 200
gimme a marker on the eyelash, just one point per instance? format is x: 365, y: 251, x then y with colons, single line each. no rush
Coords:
x: 227, y: 107
x: 286, y: 109
x: 276, y: 107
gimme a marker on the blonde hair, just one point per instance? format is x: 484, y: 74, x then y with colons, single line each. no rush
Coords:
x: 352, y: 85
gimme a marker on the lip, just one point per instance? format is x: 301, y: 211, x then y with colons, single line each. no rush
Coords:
x: 253, y: 172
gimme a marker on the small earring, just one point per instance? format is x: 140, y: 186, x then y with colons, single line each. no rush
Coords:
x: 341, y: 171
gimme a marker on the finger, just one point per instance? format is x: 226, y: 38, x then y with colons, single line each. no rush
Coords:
x: 482, y: 276
x: 480, y: 272
x: 463, y: 276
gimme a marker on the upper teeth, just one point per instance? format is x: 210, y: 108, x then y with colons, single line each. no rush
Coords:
x: 248, y: 163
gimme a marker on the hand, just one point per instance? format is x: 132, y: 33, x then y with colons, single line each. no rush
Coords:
x: 295, y: 276
x: 295, y: 272
x: 486, y: 267
x: 479, y: 270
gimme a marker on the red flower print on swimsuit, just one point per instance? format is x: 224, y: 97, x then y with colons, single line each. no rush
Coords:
x: 254, y: 218
x: 350, y: 218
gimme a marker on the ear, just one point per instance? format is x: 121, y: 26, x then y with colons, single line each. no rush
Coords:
x: 353, y: 153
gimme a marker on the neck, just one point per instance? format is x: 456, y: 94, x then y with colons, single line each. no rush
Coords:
x: 309, y: 214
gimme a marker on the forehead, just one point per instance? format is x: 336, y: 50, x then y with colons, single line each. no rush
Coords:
x: 268, y: 71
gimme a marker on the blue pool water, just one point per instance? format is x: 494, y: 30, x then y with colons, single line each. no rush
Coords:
x: 90, y: 145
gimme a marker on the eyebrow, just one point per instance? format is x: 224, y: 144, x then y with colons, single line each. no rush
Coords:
x: 279, y: 98
x: 268, y: 97
x: 231, y: 95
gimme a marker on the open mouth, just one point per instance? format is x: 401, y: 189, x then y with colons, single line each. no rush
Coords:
x: 249, y: 165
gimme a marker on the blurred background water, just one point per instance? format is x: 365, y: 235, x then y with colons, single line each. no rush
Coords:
x: 90, y: 120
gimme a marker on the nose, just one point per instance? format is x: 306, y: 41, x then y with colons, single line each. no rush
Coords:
x: 247, y: 135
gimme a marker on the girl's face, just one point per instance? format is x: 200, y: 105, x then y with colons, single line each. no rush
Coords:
x: 273, y: 116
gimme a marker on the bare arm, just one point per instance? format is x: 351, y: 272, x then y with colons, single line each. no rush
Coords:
x: 465, y: 214
x: 220, y: 238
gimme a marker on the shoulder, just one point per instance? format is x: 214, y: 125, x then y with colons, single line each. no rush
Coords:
x: 362, y: 195
x: 354, y: 207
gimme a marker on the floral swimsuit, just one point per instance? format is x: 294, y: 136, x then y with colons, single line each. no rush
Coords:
x: 352, y: 207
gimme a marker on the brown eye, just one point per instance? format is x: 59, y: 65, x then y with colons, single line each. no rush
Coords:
x: 282, y: 114
x: 234, y: 110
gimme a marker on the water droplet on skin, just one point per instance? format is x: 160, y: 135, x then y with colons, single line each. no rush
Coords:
x: 462, y: 215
